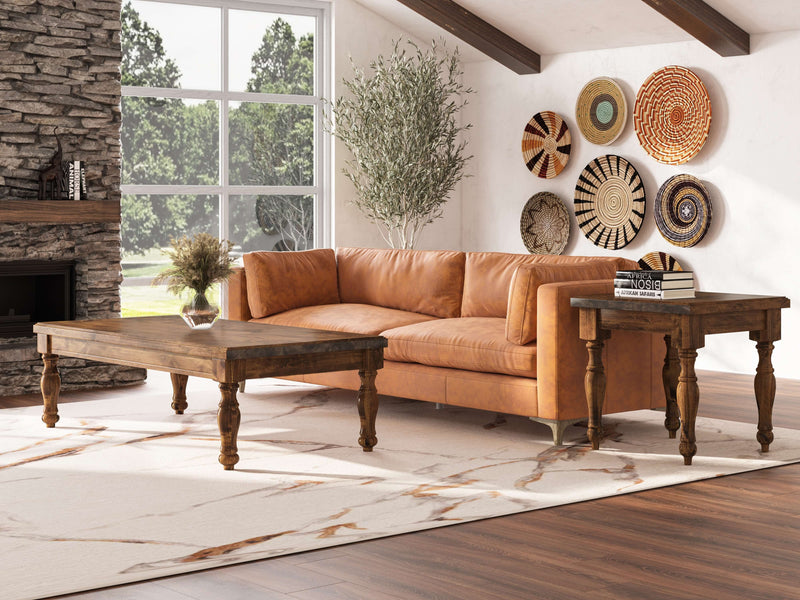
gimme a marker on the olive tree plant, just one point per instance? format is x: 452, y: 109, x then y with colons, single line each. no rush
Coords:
x: 400, y: 123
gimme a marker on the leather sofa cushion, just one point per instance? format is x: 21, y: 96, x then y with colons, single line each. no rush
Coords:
x: 353, y: 318
x: 487, y: 277
x: 472, y: 344
x: 279, y: 281
x: 421, y: 281
x: 521, y: 313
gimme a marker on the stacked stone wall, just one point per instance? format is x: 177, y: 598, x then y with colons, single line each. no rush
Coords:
x: 60, y: 75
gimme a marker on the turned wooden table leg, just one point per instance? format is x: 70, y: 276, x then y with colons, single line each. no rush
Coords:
x: 765, y: 393
x: 595, y: 386
x: 669, y: 377
x: 367, y: 407
x: 51, y: 388
x: 228, y: 418
x: 688, y: 396
x: 179, y: 403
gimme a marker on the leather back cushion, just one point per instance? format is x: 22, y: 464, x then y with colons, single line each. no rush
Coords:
x: 488, y: 275
x: 521, y: 320
x: 279, y: 281
x: 430, y: 282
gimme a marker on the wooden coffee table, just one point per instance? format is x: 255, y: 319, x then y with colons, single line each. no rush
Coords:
x: 229, y: 352
x: 685, y: 324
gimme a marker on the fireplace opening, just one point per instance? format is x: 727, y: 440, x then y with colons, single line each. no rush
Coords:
x: 33, y: 291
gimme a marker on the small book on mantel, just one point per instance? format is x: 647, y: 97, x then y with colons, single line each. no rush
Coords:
x: 76, y: 180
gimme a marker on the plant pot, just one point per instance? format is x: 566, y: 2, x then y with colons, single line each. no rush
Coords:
x: 199, y: 313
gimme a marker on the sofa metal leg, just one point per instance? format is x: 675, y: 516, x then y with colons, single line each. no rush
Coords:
x: 558, y: 427
x: 438, y: 405
x: 241, y: 386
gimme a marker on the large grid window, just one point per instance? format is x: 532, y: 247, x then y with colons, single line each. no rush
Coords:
x: 221, y: 131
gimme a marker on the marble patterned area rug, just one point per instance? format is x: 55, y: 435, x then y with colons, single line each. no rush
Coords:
x: 124, y: 490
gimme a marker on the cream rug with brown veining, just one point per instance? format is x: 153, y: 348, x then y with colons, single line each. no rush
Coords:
x: 124, y: 490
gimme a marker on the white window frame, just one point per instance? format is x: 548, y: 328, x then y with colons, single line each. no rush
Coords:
x: 321, y: 190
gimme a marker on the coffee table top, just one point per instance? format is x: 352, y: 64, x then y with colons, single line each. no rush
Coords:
x: 225, y: 340
x: 702, y: 303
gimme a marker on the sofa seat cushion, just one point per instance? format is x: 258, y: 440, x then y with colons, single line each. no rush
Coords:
x: 352, y: 318
x: 473, y: 344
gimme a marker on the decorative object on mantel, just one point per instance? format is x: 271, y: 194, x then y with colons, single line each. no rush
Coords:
x: 62, y: 180
x: 53, y: 181
x: 197, y: 264
x: 546, y: 144
x: 672, y: 115
x: 659, y: 261
x: 544, y: 224
x: 683, y: 210
x: 601, y: 111
x: 610, y: 202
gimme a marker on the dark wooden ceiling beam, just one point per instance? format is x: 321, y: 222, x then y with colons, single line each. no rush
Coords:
x: 478, y: 33
x: 706, y: 24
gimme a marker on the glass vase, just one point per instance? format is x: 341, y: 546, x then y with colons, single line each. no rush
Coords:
x: 199, y: 313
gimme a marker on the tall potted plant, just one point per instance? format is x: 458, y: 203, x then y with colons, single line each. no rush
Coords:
x: 400, y: 123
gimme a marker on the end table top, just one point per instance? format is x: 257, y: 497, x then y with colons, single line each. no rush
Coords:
x: 702, y: 303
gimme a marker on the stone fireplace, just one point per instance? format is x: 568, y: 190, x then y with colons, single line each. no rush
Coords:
x: 93, y: 251
x: 33, y: 291
x: 60, y: 75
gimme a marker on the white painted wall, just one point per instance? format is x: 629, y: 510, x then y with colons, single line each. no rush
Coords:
x: 363, y: 35
x: 750, y: 165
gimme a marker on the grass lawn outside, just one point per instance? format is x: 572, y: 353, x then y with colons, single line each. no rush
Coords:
x: 146, y: 300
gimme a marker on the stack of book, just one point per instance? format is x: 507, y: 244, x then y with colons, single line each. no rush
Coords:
x: 658, y: 285
x: 75, y: 175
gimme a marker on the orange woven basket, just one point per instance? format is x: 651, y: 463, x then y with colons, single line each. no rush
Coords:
x: 672, y: 115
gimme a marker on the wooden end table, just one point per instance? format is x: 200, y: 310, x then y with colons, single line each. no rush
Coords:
x: 229, y: 352
x: 685, y: 324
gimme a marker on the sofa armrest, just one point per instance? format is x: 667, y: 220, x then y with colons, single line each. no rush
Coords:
x: 238, y: 308
x: 561, y: 355
x: 632, y: 359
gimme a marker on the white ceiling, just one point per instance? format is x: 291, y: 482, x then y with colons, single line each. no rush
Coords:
x: 557, y: 26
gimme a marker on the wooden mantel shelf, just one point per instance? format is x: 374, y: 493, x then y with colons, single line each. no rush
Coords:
x: 64, y: 212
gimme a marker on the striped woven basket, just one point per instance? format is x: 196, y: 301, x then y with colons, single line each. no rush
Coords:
x: 546, y: 144
x: 610, y: 202
x: 659, y: 261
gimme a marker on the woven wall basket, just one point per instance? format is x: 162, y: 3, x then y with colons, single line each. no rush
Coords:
x: 601, y: 111
x: 546, y: 144
x: 610, y: 202
x: 683, y: 210
x: 544, y: 224
x: 659, y: 261
x: 672, y: 115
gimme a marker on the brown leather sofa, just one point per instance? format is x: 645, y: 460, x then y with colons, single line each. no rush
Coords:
x: 484, y: 330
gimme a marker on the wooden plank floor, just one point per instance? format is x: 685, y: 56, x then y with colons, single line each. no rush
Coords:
x: 734, y: 537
